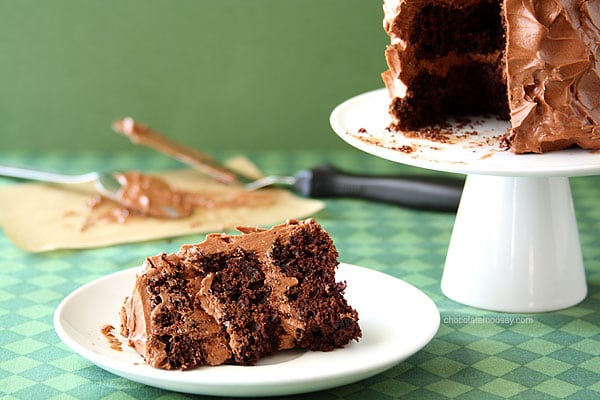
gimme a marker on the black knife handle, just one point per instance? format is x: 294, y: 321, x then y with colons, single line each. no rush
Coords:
x: 414, y: 191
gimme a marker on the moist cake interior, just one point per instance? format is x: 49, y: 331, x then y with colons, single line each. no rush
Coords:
x: 471, y: 84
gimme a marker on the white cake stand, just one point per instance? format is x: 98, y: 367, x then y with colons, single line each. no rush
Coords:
x: 515, y: 244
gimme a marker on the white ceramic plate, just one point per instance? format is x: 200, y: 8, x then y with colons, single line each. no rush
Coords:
x: 362, y: 121
x: 396, y: 318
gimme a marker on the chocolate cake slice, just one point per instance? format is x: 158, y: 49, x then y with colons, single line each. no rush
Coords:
x: 237, y: 298
x: 536, y: 62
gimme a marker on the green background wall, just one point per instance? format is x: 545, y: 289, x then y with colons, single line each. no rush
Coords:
x: 216, y: 74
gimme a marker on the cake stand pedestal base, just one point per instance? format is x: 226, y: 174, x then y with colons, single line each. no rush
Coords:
x: 515, y: 246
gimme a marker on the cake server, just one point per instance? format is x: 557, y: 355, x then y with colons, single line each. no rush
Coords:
x: 415, y: 191
x: 106, y: 183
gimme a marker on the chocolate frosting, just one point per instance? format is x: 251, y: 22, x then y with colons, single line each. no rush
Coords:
x: 152, y: 196
x: 553, y: 66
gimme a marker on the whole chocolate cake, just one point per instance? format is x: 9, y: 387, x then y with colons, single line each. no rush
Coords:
x: 536, y: 62
x: 237, y: 298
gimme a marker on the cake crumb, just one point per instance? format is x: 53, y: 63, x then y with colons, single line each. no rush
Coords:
x: 113, y: 341
x: 405, y: 149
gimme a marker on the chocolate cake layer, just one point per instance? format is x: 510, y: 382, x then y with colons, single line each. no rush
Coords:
x: 440, y: 28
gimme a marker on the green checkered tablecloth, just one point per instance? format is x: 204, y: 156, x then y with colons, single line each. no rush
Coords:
x: 475, y: 355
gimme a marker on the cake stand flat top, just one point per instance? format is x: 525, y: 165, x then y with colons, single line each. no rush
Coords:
x: 468, y: 146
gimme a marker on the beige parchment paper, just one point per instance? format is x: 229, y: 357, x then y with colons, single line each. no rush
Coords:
x: 41, y: 217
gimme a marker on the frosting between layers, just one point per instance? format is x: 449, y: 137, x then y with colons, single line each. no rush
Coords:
x: 398, y: 72
x: 553, y: 64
